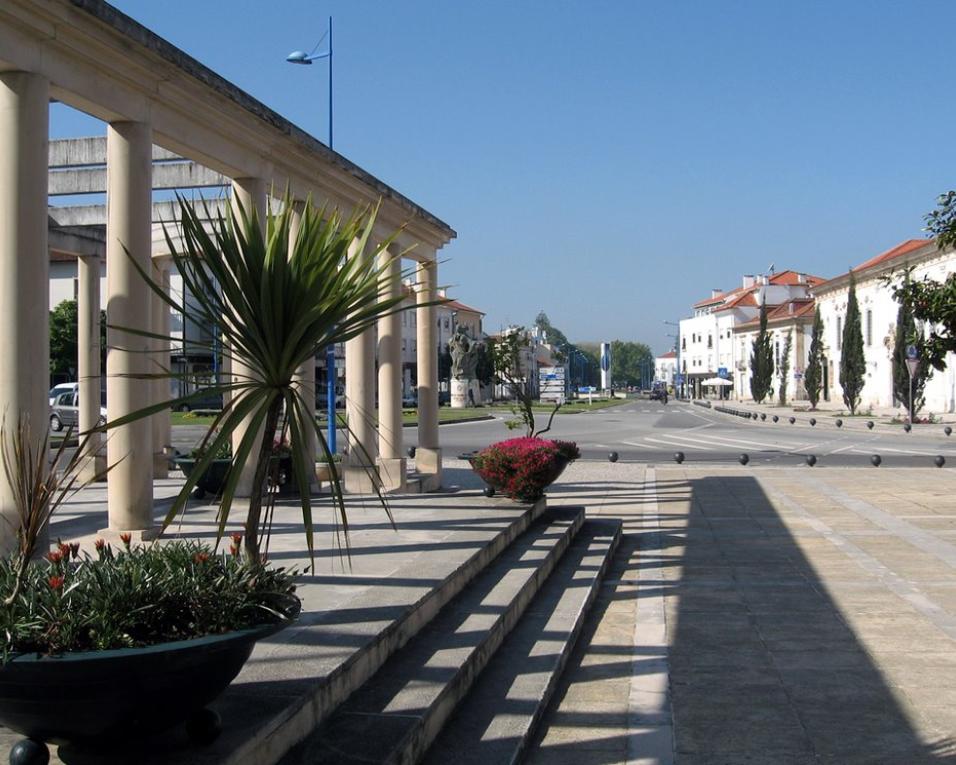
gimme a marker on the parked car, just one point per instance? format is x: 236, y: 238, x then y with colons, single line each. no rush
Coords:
x: 66, y: 410
x: 410, y: 401
x: 68, y: 387
x: 208, y: 401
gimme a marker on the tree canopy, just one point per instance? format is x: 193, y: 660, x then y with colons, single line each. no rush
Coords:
x: 813, y: 376
x: 852, y: 358
x: 761, y: 360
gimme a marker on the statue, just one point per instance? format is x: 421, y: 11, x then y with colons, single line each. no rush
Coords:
x: 464, y: 355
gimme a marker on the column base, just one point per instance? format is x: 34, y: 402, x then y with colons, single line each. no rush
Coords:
x: 93, y: 469
x: 428, y: 465
x: 137, y: 535
x: 160, y: 465
x: 391, y: 471
x: 359, y: 480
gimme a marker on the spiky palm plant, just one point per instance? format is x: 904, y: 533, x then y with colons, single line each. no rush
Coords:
x: 275, y: 302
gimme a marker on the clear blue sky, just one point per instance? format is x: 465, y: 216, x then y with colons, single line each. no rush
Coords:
x: 611, y: 162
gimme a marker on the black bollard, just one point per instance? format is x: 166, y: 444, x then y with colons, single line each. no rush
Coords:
x: 948, y: 430
x: 869, y: 425
x: 940, y: 460
x: 488, y: 491
x: 811, y: 460
x: 744, y: 458
x: 907, y: 427
x: 763, y: 417
x: 839, y: 423
x: 678, y: 457
x: 411, y: 452
x: 876, y: 459
x: 612, y: 457
x: 776, y: 419
x: 793, y: 420
x: 813, y: 422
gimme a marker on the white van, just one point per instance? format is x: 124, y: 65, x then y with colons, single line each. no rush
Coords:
x: 56, y: 390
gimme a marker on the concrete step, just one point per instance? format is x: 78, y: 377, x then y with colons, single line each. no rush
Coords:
x: 395, y: 716
x: 495, y: 722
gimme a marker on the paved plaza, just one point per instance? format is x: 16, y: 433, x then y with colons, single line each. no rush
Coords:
x: 751, y: 615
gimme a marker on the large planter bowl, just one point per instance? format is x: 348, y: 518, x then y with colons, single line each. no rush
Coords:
x: 213, y: 478
x: 92, y: 697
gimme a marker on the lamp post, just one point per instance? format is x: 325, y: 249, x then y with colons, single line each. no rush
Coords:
x: 300, y: 57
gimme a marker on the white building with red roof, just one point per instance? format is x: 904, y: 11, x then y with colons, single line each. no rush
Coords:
x: 707, y: 345
x: 878, y: 312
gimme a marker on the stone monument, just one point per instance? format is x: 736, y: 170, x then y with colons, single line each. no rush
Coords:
x: 464, y: 358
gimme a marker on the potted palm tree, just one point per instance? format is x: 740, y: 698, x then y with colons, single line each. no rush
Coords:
x: 275, y: 301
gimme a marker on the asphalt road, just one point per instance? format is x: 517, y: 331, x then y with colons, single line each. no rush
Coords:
x: 648, y: 431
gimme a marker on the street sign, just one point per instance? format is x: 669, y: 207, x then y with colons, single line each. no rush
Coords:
x: 587, y: 389
x: 679, y: 379
x: 912, y: 365
x: 722, y: 373
x: 911, y: 352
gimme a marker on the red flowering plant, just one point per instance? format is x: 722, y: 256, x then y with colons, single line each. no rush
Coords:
x: 522, y: 468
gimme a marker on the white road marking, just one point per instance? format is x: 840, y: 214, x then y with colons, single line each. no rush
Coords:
x: 672, y: 444
x: 638, y: 445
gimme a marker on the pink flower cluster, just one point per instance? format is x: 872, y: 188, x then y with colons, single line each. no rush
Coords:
x: 522, y: 468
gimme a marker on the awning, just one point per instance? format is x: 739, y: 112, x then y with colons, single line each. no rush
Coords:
x: 718, y: 381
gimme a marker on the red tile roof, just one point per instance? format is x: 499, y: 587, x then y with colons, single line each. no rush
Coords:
x: 793, y: 278
x: 781, y: 313
x: 668, y: 355
x: 910, y: 245
x: 457, y: 305
x: 744, y: 299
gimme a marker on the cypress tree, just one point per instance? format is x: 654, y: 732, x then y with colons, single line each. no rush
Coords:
x: 761, y: 361
x: 908, y: 334
x: 785, y: 367
x: 813, y: 376
x: 852, y: 359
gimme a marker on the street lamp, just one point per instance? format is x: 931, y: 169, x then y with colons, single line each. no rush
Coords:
x: 300, y: 57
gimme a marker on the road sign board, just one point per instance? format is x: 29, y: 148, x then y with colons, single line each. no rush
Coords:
x: 911, y: 352
x: 912, y: 365
x: 587, y: 389
x: 722, y: 373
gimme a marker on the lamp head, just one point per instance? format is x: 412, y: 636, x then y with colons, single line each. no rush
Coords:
x: 298, y: 57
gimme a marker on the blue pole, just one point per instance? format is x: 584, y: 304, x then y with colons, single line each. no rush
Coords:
x: 330, y: 351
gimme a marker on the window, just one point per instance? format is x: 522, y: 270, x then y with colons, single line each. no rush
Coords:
x: 869, y: 328
x: 839, y: 338
x: 710, y: 341
x: 683, y: 343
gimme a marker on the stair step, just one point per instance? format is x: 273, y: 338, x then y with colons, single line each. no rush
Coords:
x: 495, y: 722
x: 396, y: 715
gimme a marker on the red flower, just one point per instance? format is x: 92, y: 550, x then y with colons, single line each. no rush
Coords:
x: 55, y: 556
x: 125, y: 538
x: 74, y: 550
x: 234, y: 550
x: 523, y: 467
x: 99, y: 544
x: 200, y: 557
x: 63, y: 548
x: 237, y: 538
x: 56, y: 582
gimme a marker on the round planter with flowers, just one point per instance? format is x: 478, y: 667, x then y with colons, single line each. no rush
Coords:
x: 129, y: 642
x: 522, y: 468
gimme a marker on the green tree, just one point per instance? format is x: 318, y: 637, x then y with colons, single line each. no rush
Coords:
x: 813, y: 376
x: 761, y: 361
x: 907, y: 333
x: 785, y: 367
x: 629, y: 361
x: 507, y: 354
x: 63, y: 341
x: 852, y: 359
x: 484, y: 366
x: 555, y: 337
x: 931, y: 302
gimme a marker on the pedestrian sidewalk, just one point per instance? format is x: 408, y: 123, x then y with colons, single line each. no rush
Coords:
x: 830, y: 411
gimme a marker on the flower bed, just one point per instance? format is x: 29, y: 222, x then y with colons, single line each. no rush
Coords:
x: 522, y: 468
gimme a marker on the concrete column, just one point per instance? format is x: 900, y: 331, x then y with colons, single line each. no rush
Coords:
x: 391, y: 460
x: 159, y: 362
x: 24, y: 265
x: 89, y: 373
x: 305, y: 374
x: 251, y: 192
x: 129, y: 230
x: 360, y: 402
x: 428, y: 454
